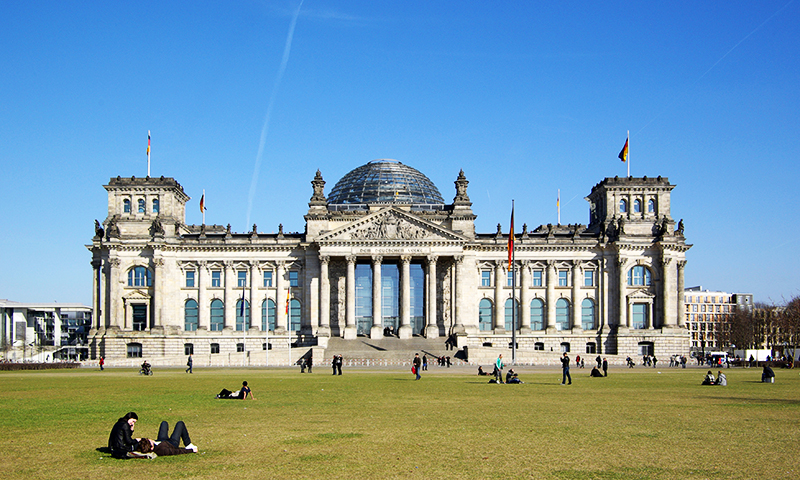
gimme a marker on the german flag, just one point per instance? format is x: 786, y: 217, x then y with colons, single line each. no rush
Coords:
x: 623, y: 154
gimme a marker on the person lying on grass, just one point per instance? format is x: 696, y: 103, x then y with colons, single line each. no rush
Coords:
x: 168, y: 445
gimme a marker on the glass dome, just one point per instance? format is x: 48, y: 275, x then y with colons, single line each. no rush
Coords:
x: 384, y: 181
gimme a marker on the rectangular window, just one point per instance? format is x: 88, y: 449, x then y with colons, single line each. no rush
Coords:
x: 134, y: 350
x: 240, y: 347
x: 486, y: 278
x: 562, y: 278
x: 537, y: 278
x: 214, y: 348
x: 241, y: 278
x: 267, y: 279
x: 294, y: 279
x: 139, y: 317
x: 639, y: 315
x: 588, y: 278
x: 190, y: 279
x: 216, y: 278
x: 188, y: 349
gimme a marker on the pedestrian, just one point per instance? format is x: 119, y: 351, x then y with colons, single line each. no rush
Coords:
x: 189, y: 364
x: 447, y: 361
x: 598, y: 361
x: 337, y: 364
x: 333, y: 364
x: 310, y: 361
x: 424, y: 362
x: 655, y: 360
x: 605, y: 367
x: 302, y: 363
x: 417, y: 362
x: 565, y: 369
x: 577, y: 361
x: 102, y: 362
x: 498, y: 369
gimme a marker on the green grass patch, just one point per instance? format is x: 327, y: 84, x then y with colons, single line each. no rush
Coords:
x: 365, y: 424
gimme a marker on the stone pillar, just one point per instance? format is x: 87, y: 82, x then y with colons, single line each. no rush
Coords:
x: 603, y: 298
x: 350, y: 330
x: 576, y: 292
x: 117, y: 307
x: 281, y: 325
x: 431, y: 327
x: 405, y: 297
x: 96, y: 265
x: 622, y: 289
x: 252, y: 276
x: 377, y: 310
x: 159, y: 291
x: 524, y: 297
x: 552, y: 281
x: 681, y: 299
x: 458, y: 295
x: 203, y: 305
x: 230, y: 297
x: 324, y: 297
x: 499, y: 306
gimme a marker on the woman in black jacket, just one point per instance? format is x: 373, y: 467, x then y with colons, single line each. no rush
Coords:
x: 120, y: 441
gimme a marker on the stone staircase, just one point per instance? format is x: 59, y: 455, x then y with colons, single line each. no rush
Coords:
x: 387, y: 351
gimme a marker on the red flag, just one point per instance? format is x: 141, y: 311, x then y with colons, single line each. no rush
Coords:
x: 623, y: 154
x: 511, y: 240
x: 203, y: 203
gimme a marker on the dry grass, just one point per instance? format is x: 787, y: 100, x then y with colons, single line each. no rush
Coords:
x: 636, y: 424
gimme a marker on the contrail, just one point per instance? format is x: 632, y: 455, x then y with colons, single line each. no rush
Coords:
x: 286, y: 50
x: 717, y: 62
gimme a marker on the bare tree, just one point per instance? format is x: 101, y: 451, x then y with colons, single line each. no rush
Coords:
x: 790, y: 324
x: 741, y: 331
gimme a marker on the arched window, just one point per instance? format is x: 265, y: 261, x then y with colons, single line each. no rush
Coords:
x: 155, y: 205
x: 139, y: 277
x: 190, y: 315
x: 587, y: 314
x: 511, y: 304
x: 217, y: 315
x: 639, y: 276
x: 623, y: 206
x: 141, y: 205
x: 485, y: 315
x: 294, y: 315
x: 637, y: 206
x: 126, y: 206
x: 651, y: 206
x: 562, y: 314
x: 537, y: 314
x: 242, y: 321
x: 268, y: 315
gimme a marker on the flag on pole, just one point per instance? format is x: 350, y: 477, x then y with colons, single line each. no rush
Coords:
x: 148, y: 144
x: 203, y: 203
x: 623, y: 154
x: 288, y: 296
x: 511, y: 240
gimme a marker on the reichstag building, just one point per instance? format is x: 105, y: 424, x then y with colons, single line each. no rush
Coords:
x: 382, y: 255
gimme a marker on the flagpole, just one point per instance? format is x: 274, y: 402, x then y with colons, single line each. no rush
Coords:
x: 513, y: 290
x: 558, y: 206
x: 203, y: 207
x: 244, y: 324
x: 148, y: 153
x: 629, y: 153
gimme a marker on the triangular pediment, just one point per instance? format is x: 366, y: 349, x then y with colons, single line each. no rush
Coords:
x: 137, y: 295
x: 391, y: 224
x: 641, y: 295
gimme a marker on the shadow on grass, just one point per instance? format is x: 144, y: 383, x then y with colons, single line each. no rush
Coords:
x: 741, y: 401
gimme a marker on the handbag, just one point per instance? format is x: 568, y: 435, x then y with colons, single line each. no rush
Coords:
x: 414, y: 370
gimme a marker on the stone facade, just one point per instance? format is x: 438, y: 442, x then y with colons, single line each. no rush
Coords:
x: 163, y: 288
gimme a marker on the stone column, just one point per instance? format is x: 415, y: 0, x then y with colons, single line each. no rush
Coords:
x: 203, y: 306
x: 681, y: 299
x: 458, y: 295
x: 96, y: 265
x: 350, y: 330
x: 405, y: 297
x: 117, y: 307
x: 603, y: 298
x: 281, y: 325
x: 230, y: 297
x: 324, y: 297
x: 431, y: 327
x: 524, y: 297
x: 158, y: 292
x: 252, y: 276
x: 377, y: 321
x: 668, y: 303
x: 499, y: 306
x: 622, y: 289
x: 576, y: 292
x: 552, y: 281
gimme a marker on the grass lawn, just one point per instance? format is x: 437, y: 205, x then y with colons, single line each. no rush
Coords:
x: 635, y: 424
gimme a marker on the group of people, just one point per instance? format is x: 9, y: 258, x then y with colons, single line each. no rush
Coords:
x: 677, y: 361
x: 721, y: 379
x: 123, y: 444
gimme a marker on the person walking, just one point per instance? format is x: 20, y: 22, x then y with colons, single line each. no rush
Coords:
x: 565, y: 369
x: 424, y: 362
x: 605, y: 367
x: 102, y: 362
x: 498, y: 369
x: 189, y: 364
x: 417, y: 362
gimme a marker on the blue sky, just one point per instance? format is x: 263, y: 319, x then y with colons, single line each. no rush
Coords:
x: 526, y: 97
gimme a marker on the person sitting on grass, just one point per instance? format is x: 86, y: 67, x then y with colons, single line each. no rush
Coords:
x: 120, y: 441
x: 709, y: 379
x: 237, y: 395
x: 767, y: 375
x: 168, y: 445
x: 513, y: 379
x: 481, y: 372
x: 721, y: 379
x: 595, y: 372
